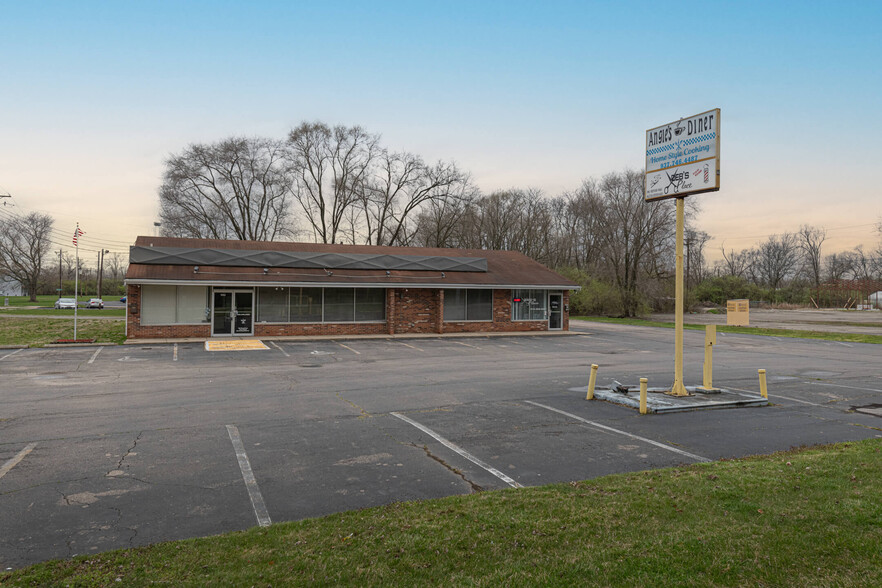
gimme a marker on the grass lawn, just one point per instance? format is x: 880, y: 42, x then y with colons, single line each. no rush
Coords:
x: 801, y: 518
x: 36, y: 332
x: 793, y: 333
x: 81, y: 312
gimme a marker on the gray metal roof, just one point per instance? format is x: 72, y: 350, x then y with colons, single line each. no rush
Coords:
x: 300, y: 259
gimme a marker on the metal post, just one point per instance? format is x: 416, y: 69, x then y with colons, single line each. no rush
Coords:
x: 710, y: 339
x: 763, y: 389
x: 678, y: 389
x: 591, y: 381
x: 643, y: 409
x: 76, y: 288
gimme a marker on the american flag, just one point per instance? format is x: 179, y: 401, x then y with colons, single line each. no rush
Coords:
x: 77, y: 234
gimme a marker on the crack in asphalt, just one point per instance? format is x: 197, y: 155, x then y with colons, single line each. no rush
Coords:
x: 128, y: 452
x: 475, y: 488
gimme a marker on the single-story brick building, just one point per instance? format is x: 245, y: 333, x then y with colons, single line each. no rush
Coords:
x: 217, y: 288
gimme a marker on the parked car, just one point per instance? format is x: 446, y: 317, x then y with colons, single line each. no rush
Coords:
x: 66, y: 303
x: 95, y: 303
x: 123, y: 299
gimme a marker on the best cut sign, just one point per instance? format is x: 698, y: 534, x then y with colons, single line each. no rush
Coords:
x: 683, y: 157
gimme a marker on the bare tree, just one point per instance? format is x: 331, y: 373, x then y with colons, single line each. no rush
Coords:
x: 837, y: 266
x: 116, y: 264
x: 24, y: 244
x: 330, y: 167
x: 696, y: 268
x: 810, y: 241
x: 634, y: 234
x: 400, y: 185
x: 734, y: 264
x: 440, y: 221
x: 777, y: 259
x: 238, y: 188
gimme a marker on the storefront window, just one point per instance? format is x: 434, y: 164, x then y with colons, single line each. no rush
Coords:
x: 306, y: 305
x: 370, y: 304
x: 272, y: 305
x: 170, y: 305
x: 529, y: 305
x: 468, y: 305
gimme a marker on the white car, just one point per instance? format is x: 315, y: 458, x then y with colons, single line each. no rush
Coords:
x: 66, y: 303
x: 95, y: 303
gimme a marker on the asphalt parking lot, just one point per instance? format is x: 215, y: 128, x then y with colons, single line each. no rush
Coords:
x: 110, y: 447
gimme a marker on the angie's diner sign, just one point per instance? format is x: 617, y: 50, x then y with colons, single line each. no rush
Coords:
x: 683, y: 157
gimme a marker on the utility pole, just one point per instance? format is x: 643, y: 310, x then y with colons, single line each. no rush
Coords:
x: 60, y: 283
x: 101, y: 269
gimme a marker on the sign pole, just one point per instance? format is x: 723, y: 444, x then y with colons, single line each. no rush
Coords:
x: 678, y: 389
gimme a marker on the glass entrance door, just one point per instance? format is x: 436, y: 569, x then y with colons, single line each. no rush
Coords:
x: 555, y: 312
x: 233, y: 312
x: 243, y: 305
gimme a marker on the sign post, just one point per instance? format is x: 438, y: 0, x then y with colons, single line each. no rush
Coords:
x: 682, y: 158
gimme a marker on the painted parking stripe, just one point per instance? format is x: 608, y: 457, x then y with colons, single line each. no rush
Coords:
x: 273, y: 343
x: 11, y: 354
x: 13, y: 461
x: 466, y: 344
x: 843, y: 386
x: 452, y: 446
x: 620, y: 432
x: 348, y: 347
x: 263, y: 518
x: 411, y: 346
x: 779, y: 396
x: 175, y: 353
x: 94, y: 355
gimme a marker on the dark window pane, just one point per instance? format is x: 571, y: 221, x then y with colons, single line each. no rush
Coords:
x: 480, y: 305
x: 272, y: 305
x: 339, y: 305
x: 370, y: 304
x: 454, y: 305
x: 306, y: 305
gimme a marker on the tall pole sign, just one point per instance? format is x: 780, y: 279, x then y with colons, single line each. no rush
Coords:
x: 682, y: 158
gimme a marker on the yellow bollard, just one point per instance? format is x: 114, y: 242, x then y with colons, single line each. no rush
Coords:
x: 763, y: 389
x: 591, y: 381
x: 710, y: 339
x: 643, y: 409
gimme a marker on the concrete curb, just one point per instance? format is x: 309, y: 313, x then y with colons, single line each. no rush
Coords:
x: 360, y: 337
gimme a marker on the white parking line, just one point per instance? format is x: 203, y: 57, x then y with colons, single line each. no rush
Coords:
x: 625, y: 433
x: 11, y: 354
x: 348, y: 347
x: 411, y: 346
x: 273, y: 343
x: 263, y: 518
x: 778, y: 396
x: 843, y: 386
x: 94, y: 355
x: 175, y: 353
x: 458, y: 450
x: 466, y: 344
x: 13, y: 461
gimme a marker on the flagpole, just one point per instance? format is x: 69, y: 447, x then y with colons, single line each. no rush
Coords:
x: 76, y: 285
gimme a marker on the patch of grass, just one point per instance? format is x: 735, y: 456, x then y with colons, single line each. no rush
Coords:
x: 42, y: 300
x: 81, y: 312
x: 36, y: 332
x: 800, y: 518
x: 793, y: 333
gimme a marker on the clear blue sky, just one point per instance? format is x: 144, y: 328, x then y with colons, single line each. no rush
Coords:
x: 541, y: 94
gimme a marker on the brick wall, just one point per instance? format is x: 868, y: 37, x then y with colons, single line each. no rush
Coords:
x: 501, y: 319
x: 408, y: 310
x: 414, y: 310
